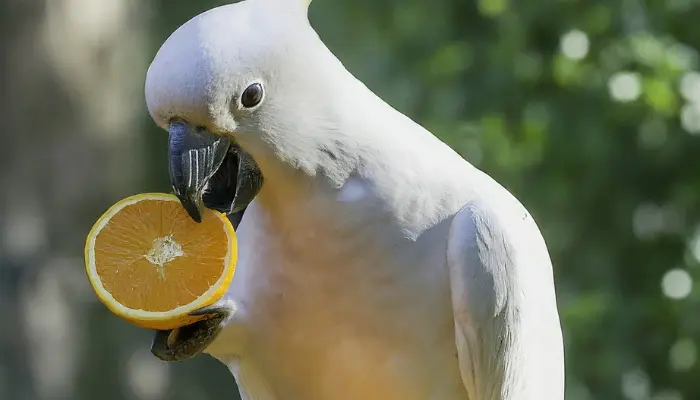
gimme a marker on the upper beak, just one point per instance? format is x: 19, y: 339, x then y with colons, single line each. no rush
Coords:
x: 209, y: 170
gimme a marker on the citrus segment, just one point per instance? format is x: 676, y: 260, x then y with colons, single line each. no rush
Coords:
x: 151, y: 264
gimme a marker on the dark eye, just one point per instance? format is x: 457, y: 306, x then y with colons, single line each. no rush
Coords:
x: 252, y: 95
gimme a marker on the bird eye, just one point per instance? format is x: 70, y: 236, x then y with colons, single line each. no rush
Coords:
x: 252, y: 95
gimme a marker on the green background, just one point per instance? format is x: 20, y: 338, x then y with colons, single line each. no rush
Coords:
x: 589, y: 111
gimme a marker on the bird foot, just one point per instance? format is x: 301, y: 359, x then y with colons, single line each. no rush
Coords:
x: 174, y: 345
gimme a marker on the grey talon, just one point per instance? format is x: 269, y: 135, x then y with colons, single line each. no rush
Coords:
x: 188, y: 341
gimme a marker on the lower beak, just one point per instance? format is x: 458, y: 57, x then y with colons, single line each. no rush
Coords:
x: 208, y: 170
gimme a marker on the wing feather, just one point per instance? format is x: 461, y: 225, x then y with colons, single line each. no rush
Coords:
x: 507, y: 329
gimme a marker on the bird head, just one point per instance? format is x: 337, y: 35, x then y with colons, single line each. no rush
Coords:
x: 228, y: 86
x: 231, y: 86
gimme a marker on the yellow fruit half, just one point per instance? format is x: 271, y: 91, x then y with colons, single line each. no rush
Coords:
x: 151, y: 264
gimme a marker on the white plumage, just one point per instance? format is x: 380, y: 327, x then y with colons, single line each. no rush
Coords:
x: 375, y: 263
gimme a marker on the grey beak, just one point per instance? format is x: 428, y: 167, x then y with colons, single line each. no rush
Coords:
x: 194, y: 156
x: 209, y: 170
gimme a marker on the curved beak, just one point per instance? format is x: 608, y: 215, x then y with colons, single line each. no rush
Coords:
x: 208, y: 170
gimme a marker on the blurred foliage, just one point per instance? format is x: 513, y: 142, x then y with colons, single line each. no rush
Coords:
x: 588, y: 111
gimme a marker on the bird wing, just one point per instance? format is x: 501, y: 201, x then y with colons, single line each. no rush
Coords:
x: 507, y: 329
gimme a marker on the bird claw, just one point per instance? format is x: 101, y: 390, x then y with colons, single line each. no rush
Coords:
x: 188, y: 341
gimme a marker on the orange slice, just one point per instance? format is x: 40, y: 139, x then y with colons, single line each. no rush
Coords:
x: 151, y: 264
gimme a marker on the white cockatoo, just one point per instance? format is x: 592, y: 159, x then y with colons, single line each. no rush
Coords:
x: 374, y: 262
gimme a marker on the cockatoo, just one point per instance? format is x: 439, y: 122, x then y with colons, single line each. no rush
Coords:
x: 374, y: 261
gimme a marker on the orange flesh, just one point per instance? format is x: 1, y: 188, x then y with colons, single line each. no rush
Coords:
x: 151, y: 256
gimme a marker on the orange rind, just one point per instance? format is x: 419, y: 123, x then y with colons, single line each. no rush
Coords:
x: 152, y: 265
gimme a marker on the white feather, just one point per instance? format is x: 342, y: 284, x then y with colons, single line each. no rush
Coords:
x: 343, y: 285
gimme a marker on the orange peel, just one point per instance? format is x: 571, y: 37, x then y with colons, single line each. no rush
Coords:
x: 152, y: 265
